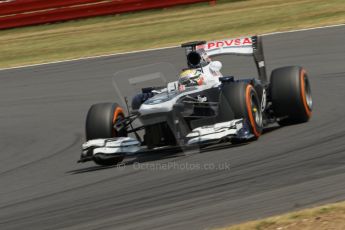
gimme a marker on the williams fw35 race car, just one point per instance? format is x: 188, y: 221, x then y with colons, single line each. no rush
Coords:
x: 203, y: 107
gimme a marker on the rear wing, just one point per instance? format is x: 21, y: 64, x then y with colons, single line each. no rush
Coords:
x: 248, y: 46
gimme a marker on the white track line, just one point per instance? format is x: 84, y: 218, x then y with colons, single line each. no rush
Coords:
x: 301, y: 30
x: 156, y: 49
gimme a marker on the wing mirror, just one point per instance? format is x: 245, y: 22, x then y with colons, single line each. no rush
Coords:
x: 216, y: 66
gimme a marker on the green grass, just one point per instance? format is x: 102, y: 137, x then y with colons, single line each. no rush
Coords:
x: 319, y: 218
x: 158, y: 28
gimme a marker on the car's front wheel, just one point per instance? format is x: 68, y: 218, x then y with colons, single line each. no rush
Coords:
x: 100, y: 123
x: 101, y: 119
x: 240, y: 100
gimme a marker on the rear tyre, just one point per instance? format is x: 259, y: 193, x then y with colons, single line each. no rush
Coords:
x: 100, y: 122
x: 240, y: 100
x: 291, y: 95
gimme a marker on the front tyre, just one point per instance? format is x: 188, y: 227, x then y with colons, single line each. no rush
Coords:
x: 244, y: 102
x: 100, y: 123
x: 291, y: 95
x: 101, y: 119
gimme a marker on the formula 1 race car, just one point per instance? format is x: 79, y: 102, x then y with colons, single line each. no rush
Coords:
x: 204, y: 107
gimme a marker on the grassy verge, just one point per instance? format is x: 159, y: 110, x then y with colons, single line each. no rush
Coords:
x: 319, y: 218
x: 111, y: 34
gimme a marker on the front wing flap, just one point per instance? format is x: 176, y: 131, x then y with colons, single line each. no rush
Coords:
x: 219, y: 132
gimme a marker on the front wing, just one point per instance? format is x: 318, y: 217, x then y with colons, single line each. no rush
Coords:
x: 205, y: 135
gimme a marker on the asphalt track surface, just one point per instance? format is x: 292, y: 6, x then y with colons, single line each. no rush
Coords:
x: 42, y: 118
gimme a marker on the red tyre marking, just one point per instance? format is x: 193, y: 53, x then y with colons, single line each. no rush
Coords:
x: 303, y: 94
x: 249, y: 111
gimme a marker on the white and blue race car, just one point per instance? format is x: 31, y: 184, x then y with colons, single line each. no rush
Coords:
x: 204, y: 107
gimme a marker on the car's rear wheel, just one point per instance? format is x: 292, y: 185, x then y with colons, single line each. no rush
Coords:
x: 240, y: 100
x: 291, y: 95
x: 100, y: 121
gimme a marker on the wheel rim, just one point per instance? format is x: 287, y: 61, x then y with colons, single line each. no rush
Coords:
x: 118, y: 120
x: 306, y: 93
x: 307, y: 90
x: 118, y: 116
x: 256, y: 111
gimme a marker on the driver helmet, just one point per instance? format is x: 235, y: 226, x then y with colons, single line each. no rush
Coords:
x: 191, y: 77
